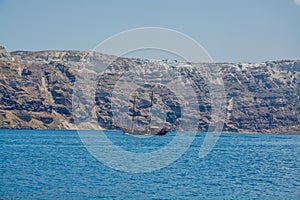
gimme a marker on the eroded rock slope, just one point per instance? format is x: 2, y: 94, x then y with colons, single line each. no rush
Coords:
x: 36, y: 91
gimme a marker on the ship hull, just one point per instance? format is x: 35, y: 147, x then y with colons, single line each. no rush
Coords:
x: 145, y: 132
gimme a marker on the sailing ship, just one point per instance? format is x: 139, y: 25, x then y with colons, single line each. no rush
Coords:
x: 149, y: 130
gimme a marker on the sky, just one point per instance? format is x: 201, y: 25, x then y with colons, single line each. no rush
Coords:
x: 230, y: 30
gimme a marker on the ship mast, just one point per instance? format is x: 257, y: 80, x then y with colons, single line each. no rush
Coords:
x: 133, y: 113
x: 151, y: 104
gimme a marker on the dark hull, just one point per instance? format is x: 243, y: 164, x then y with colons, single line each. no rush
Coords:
x: 145, y: 132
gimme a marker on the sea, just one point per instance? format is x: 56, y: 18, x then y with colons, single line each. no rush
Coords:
x: 47, y: 164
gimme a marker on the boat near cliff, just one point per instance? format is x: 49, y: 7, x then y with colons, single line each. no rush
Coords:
x: 148, y: 130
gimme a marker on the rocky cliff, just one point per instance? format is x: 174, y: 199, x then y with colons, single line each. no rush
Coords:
x: 36, y: 92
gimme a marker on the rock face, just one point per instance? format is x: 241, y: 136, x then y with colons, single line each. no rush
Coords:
x: 36, y: 92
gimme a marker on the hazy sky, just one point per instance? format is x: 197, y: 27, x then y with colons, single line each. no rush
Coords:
x: 230, y: 30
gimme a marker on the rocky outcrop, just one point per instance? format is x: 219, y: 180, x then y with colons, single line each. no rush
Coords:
x: 36, y: 92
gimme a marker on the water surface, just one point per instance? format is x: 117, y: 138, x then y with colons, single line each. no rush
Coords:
x: 55, y: 164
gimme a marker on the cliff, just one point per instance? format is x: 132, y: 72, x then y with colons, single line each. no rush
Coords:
x: 36, y: 91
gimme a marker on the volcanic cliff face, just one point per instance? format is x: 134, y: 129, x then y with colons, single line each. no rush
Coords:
x: 36, y: 91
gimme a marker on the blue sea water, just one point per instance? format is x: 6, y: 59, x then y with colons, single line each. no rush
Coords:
x: 55, y: 164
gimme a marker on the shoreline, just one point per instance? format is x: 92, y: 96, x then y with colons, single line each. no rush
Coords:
x: 114, y: 130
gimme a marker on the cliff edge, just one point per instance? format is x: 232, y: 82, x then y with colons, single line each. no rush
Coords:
x: 36, y: 91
